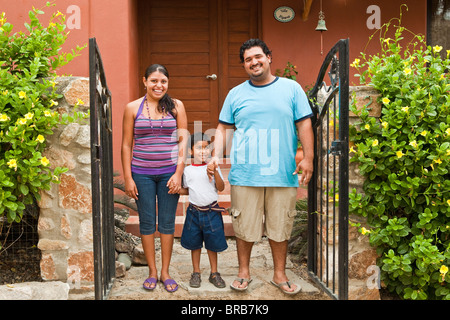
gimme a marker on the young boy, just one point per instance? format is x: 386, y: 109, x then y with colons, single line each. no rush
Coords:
x: 203, y: 216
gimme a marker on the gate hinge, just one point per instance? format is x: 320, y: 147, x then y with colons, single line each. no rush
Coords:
x: 337, y: 147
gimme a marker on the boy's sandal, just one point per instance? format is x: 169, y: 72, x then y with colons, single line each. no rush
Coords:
x: 216, y: 280
x: 195, y: 280
x: 241, y: 280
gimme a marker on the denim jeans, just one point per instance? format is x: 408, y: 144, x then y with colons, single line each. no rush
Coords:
x: 151, y: 188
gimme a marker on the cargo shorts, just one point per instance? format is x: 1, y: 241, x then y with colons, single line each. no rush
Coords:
x: 258, y: 211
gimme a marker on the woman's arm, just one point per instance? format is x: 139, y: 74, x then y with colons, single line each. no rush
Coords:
x: 127, y: 149
x: 174, y: 182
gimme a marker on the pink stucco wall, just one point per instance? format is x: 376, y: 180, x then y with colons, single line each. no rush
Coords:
x: 113, y: 24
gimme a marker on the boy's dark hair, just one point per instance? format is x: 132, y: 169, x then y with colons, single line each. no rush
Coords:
x: 254, y: 43
x: 199, y: 136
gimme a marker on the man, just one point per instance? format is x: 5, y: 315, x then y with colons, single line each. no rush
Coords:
x: 266, y: 111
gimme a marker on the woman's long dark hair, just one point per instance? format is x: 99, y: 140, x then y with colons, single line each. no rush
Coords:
x: 166, y: 104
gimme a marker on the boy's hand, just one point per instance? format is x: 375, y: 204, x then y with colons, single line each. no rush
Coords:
x: 211, y: 167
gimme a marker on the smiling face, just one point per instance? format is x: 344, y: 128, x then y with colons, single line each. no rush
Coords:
x: 200, y: 152
x: 257, y: 65
x: 157, y: 85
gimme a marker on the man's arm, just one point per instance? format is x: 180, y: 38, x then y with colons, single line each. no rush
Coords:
x: 306, y: 166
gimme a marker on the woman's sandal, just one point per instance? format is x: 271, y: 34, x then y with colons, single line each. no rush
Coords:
x: 170, y: 282
x: 150, y: 284
x: 216, y: 280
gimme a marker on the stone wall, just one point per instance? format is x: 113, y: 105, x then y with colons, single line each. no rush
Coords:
x: 65, y: 221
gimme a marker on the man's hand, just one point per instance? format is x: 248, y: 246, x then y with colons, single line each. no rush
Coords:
x: 305, y: 168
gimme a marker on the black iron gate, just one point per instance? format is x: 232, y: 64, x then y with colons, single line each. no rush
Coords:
x: 102, y: 174
x: 328, y: 189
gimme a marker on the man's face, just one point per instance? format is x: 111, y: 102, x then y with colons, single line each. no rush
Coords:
x: 257, y: 63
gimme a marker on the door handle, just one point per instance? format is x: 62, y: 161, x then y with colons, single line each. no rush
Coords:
x: 211, y: 77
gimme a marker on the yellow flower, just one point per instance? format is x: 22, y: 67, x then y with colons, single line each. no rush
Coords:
x: 47, y: 113
x: 367, y: 126
x: 352, y: 150
x: 79, y: 101
x: 438, y: 161
x: 375, y: 143
x: 29, y: 116
x: 53, y: 103
x: 22, y: 121
x: 437, y: 49
x: 444, y: 269
x: 45, y: 161
x: 384, y: 124
x: 385, y: 100
x: 399, y: 154
x: 448, y: 202
x: 5, y: 92
x: 22, y: 95
x: 364, y: 230
x: 413, y: 144
x: 447, y: 131
x: 355, y: 63
x: 387, y: 40
x: 12, y: 163
x: 3, y: 117
x: 423, y: 133
x: 442, y: 76
x: 405, y: 109
x: 40, y: 138
x: 407, y: 71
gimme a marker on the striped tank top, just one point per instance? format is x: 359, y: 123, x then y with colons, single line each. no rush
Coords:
x: 155, y: 148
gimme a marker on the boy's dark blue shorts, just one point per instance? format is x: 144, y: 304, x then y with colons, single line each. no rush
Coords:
x: 203, y: 226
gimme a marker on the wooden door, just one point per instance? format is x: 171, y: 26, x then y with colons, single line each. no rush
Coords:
x: 196, y: 39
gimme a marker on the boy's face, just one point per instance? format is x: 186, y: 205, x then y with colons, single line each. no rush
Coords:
x: 201, y: 152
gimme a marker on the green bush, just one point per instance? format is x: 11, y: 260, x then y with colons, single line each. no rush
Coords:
x: 28, y: 61
x: 404, y: 157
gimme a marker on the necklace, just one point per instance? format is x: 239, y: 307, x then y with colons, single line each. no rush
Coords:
x: 149, y: 116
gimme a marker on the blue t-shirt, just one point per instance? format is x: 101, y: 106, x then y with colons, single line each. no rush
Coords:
x: 265, y: 141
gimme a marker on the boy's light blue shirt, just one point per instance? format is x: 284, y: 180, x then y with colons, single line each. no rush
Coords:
x: 265, y: 141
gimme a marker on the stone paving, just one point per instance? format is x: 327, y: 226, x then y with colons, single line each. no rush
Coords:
x: 130, y: 286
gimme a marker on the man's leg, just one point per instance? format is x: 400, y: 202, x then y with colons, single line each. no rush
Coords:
x: 280, y: 214
x: 244, y: 250
x: 279, y: 255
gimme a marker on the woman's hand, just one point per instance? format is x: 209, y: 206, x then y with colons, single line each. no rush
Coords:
x: 174, y: 184
x: 131, y: 189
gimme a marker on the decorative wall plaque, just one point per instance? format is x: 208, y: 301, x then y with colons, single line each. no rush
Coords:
x: 284, y: 14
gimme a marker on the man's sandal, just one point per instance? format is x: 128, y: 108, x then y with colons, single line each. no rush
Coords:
x: 287, y: 283
x: 241, y: 281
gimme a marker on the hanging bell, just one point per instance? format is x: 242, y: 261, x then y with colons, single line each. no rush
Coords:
x: 321, y: 24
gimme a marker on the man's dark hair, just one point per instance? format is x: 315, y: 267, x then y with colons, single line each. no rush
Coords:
x: 254, y: 43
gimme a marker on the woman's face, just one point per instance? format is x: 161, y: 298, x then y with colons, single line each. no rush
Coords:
x: 157, y: 85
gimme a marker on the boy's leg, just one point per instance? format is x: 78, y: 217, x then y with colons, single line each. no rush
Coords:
x: 212, y: 260
x: 195, y: 255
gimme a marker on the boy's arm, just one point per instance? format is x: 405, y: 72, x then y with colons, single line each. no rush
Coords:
x: 184, y: 191
x: 220, y: 184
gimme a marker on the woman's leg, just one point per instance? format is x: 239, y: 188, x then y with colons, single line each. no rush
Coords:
x: 146, y: 204
x: 167, y: 207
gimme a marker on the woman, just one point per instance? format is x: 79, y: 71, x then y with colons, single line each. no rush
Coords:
x: 153, y: 154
